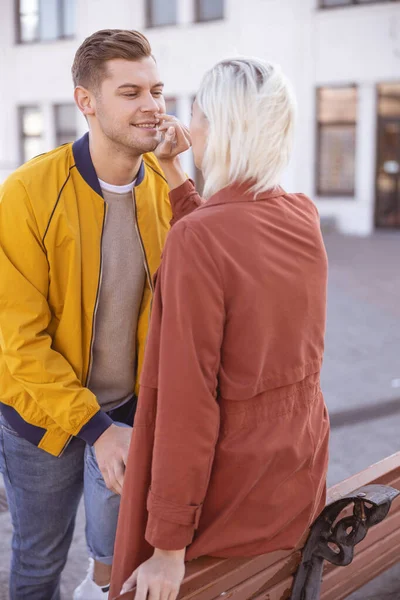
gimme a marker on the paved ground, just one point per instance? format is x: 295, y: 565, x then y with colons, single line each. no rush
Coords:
x: 361, y: 374
x: 361, y: 381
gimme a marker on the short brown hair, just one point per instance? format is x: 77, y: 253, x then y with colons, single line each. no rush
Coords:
x: 89, y: 68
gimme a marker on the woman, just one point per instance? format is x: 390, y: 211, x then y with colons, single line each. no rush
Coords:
x: 230, y: 444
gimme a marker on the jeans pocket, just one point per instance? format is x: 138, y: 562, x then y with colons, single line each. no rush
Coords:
x: 7, y: 427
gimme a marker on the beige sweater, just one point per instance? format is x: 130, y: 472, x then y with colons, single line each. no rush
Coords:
x: 112, y: 379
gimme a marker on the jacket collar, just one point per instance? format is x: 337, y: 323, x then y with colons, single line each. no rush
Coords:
x: 84, y: 164
x: 239, y: 192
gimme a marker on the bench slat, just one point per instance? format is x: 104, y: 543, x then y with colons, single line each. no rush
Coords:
x: 266, y: 584
x: 237, y: 571
x: 269, y: 577
x: 341, y: 582
x: 280, y: 591
x: 380, y: 472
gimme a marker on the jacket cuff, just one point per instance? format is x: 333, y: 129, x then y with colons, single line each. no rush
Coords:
x: 170, y: 526
x: 186, y: 191
x: 95, y: 427
x: 183, y: 190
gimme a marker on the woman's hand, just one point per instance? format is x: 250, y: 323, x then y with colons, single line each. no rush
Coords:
x: 176, y: 138
x: 160, y: 577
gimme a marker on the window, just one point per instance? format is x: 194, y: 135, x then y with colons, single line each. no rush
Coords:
x: 45, y: 20
x: 389, y: 100
x: 31, y: 128
x: 65, y: 118
x: 209, y: 10
x: 161, y: 12
x: 336, y: 143
x: 387, y: 206
x: 335, y: 3
x: 171, y: 106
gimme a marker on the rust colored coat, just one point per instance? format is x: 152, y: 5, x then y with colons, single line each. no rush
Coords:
x: 230, y: 444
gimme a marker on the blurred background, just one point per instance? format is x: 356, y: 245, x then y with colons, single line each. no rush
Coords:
x: 343, y: 58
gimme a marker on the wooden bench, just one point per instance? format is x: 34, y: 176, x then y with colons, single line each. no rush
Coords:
x: 271, y: 576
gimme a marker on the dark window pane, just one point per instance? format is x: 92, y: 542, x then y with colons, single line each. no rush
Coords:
x: 337, y: 146
x: 208, y: 10
x: 29, y: 20
x: 389, y: 147
x: 388, y: 176
x: 29, y: 28
x: 69, y: 18
x: 46, y: 19
x: 389, y: 100
x: 49, y: 20
x: 32, y: 121
x: 337, y: 105
x: 65, y: 138
x: 32, y: 146
x: 337, y: 2
x: 66, y: 117
x: 28, y: 7
x: 66, y: 129
x: 171, y: 106
x: 162, y: 12
x: 388, y: 206
x: 327, y: 3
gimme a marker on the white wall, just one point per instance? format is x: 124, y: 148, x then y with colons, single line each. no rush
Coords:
x: 358, y: 45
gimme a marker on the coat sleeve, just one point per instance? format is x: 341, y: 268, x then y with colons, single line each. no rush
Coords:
x: 184, y: 200
x: 25, y: 343
x: 188, y: 323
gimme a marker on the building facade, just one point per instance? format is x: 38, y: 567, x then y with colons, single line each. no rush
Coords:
x: 342, y: 56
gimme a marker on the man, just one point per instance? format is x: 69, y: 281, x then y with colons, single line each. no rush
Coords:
x: 81, y: 235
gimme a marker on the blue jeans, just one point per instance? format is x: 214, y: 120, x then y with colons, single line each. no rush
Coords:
x: 43, y: 494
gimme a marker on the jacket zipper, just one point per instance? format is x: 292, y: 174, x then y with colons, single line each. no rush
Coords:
x: 96, y: 305
x: 94, y: 316
x: 146, y: 265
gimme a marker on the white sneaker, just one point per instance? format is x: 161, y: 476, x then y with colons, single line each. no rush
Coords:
x: 88, y: 589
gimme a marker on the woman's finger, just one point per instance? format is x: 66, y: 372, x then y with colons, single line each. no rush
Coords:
x: 155, y: 591
x: 169, y: 141
x: 142, y: 589
x: 171, y: 120
x: 179, y: 128
x: 165, y: 117
x: 182, y: 139
x: 174, y: 123
x: 130, y: 582
x: 173, y: 594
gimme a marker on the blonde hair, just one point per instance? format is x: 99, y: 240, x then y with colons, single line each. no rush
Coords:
x: 250, y: 108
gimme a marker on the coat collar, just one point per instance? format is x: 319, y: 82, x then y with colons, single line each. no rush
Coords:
x: 84, y: 164
x: 239, y: 192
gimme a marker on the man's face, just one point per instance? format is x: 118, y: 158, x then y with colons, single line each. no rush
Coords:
x: 127, y: 103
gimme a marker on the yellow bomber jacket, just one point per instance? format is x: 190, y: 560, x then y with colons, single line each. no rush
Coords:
x: 52, y: 216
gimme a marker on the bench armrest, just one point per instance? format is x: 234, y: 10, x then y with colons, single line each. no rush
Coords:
x: 334, y: 540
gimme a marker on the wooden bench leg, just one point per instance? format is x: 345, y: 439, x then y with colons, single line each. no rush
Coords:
x: 335, y: 541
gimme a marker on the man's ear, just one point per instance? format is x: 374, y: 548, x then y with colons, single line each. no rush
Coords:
x: 85, y: 101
